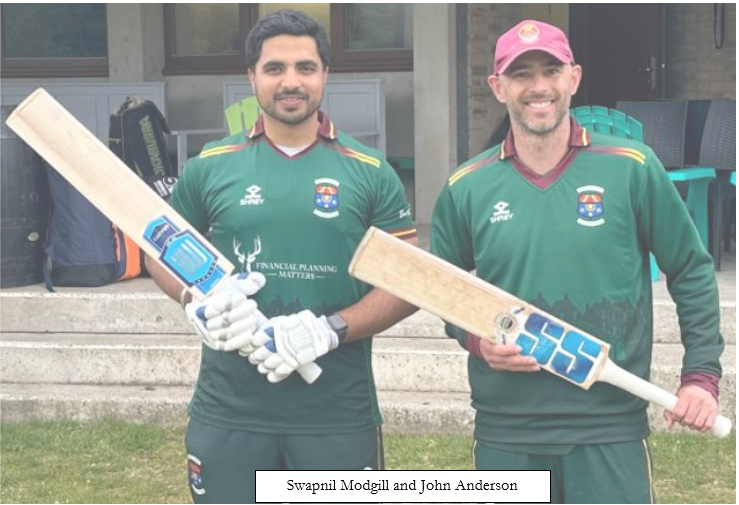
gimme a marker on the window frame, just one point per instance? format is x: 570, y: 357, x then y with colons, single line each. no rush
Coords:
x: 342, y: 60
x: 53, y: 67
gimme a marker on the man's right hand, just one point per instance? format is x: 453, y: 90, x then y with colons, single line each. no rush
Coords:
x: 226, y: 319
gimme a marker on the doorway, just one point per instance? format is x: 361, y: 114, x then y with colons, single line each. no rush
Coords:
x: 621, y: 49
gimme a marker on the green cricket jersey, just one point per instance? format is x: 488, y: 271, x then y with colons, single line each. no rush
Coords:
x: 298, y: 221
x: 575, y: 243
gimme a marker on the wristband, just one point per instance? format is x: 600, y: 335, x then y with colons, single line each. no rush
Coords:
x: 338, y: 325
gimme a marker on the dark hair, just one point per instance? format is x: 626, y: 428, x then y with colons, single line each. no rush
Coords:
x: 285, y: 22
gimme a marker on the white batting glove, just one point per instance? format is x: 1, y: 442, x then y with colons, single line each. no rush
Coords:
x: 259, y: 338
x: 298, y: 339
x: 226, y: 319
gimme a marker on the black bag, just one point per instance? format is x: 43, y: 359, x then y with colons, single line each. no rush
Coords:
x: 136, y: 136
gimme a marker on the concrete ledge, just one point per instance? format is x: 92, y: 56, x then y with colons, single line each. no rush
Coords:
x: 153, y: 313
x: 138, y: 404
x: 400, y: 364
x: 403, y: 412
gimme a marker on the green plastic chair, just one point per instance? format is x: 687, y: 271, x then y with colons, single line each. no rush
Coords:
x: 608, y: 121
x: 241, y: 116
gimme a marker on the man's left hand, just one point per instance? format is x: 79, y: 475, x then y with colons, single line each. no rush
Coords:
x: 298, y: 339
x: 696, y: 409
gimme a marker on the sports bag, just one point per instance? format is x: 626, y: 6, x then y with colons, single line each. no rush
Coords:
x: 137, y: 131
x: 82, y: 247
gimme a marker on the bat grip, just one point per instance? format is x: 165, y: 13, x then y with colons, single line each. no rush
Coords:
x: 310, y: 372
x: 617, y: 376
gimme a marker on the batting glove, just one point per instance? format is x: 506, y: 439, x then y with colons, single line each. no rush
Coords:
x: 226, y: 319
x: 299, y: 339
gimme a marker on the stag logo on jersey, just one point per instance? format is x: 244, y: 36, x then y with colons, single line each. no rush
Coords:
x: 195, y: 475
x: 501, y: 213
x: 326, y: 200
x: 246, y: 259
x: 528, y: 33
x: 590, y: 207
x: 253, y: 196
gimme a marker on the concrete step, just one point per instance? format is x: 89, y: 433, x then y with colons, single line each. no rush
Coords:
x: 400, y: 364
x: 153, y: 313
x: 403, y: 412
x: 423, y: 366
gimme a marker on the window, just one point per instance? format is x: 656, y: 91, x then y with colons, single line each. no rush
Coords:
x: 372, y: 36
x: 206, y: 38
x: 209, y: 38
x: 54, y: 40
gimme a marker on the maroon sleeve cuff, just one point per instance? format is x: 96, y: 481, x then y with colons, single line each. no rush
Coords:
x: 472, y: 342
x: 707, y: 381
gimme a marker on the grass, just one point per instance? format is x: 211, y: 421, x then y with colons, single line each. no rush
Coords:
x: 114, y: 462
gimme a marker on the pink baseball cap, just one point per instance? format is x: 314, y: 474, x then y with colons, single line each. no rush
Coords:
x: 530, y: 35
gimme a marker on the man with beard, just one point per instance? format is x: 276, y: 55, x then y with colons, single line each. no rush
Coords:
x: 565, y: 220
x: 290, y: 200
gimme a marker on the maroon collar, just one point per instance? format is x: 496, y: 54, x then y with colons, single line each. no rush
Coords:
x: 327, y: 130
x: 579, y: 137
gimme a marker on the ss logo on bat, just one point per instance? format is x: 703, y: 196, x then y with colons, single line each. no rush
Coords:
x: 568, y: 354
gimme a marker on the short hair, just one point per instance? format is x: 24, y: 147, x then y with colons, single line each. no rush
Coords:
x: 285, y: 22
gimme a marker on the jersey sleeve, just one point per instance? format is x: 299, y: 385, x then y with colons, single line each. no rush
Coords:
x: 391, y: 210
x: 667, y: 229
x: 187, y: 196
x: 451, y: 241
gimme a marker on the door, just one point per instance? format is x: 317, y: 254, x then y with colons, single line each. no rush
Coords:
x: 621, y: 49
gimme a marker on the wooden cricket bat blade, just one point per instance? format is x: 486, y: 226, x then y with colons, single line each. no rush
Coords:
x: 125, y: 199
x: 478, y: 307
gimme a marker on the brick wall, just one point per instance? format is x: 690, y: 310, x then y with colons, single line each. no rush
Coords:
x: 485, y: 24
x: 695, y: 68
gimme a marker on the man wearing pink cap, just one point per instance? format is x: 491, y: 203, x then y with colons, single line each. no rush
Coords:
x: 565, y: 220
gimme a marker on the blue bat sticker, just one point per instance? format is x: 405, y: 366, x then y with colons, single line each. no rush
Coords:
x: 570, y: 355
x: 184, y: 254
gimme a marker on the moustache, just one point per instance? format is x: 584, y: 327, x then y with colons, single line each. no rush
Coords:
x: 291, y: 94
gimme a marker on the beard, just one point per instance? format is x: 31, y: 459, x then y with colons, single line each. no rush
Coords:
x: 289, y: 116
x: 540, y: 128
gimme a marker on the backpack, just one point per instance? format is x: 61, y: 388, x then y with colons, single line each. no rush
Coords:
x: 137, y: 131
x: 82, y: 247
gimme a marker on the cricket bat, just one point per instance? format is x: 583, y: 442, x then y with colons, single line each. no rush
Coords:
x: 466, y: 301
x: 97, y: 173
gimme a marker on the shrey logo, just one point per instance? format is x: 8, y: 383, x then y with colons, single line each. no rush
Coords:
x: 326, y: 199
x: 253, y: 196
x: 590, y: 207
x: 247, y: 259
x: 501, y: 213
x: 528, y: 33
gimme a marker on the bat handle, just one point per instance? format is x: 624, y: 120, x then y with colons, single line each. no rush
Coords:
x: 310, y: 372
x: 721, y: 427
x: 617, y: 376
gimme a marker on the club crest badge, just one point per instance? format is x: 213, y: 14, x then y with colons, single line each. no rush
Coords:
x: 326, y: 200
x: 590, y: 209
x: 528, y: 33
x: 194, y: 472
